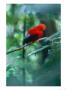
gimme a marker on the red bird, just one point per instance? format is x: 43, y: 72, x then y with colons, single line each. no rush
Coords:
x: 35, y: 33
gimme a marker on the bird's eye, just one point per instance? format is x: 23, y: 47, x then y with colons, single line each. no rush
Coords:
x: 27, y: 35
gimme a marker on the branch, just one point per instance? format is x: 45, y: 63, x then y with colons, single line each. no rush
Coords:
x: 17, y: 49
x: 51, y: 38
x: 20, y: 48
x: 38, y: 50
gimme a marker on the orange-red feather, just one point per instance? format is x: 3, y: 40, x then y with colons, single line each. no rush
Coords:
x: 37, y: 30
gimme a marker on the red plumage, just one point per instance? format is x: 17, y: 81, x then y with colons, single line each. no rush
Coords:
x: 37, y: 30
x: 35, y: 33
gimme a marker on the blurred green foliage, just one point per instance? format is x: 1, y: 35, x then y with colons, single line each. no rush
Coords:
x: 36, y: 73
